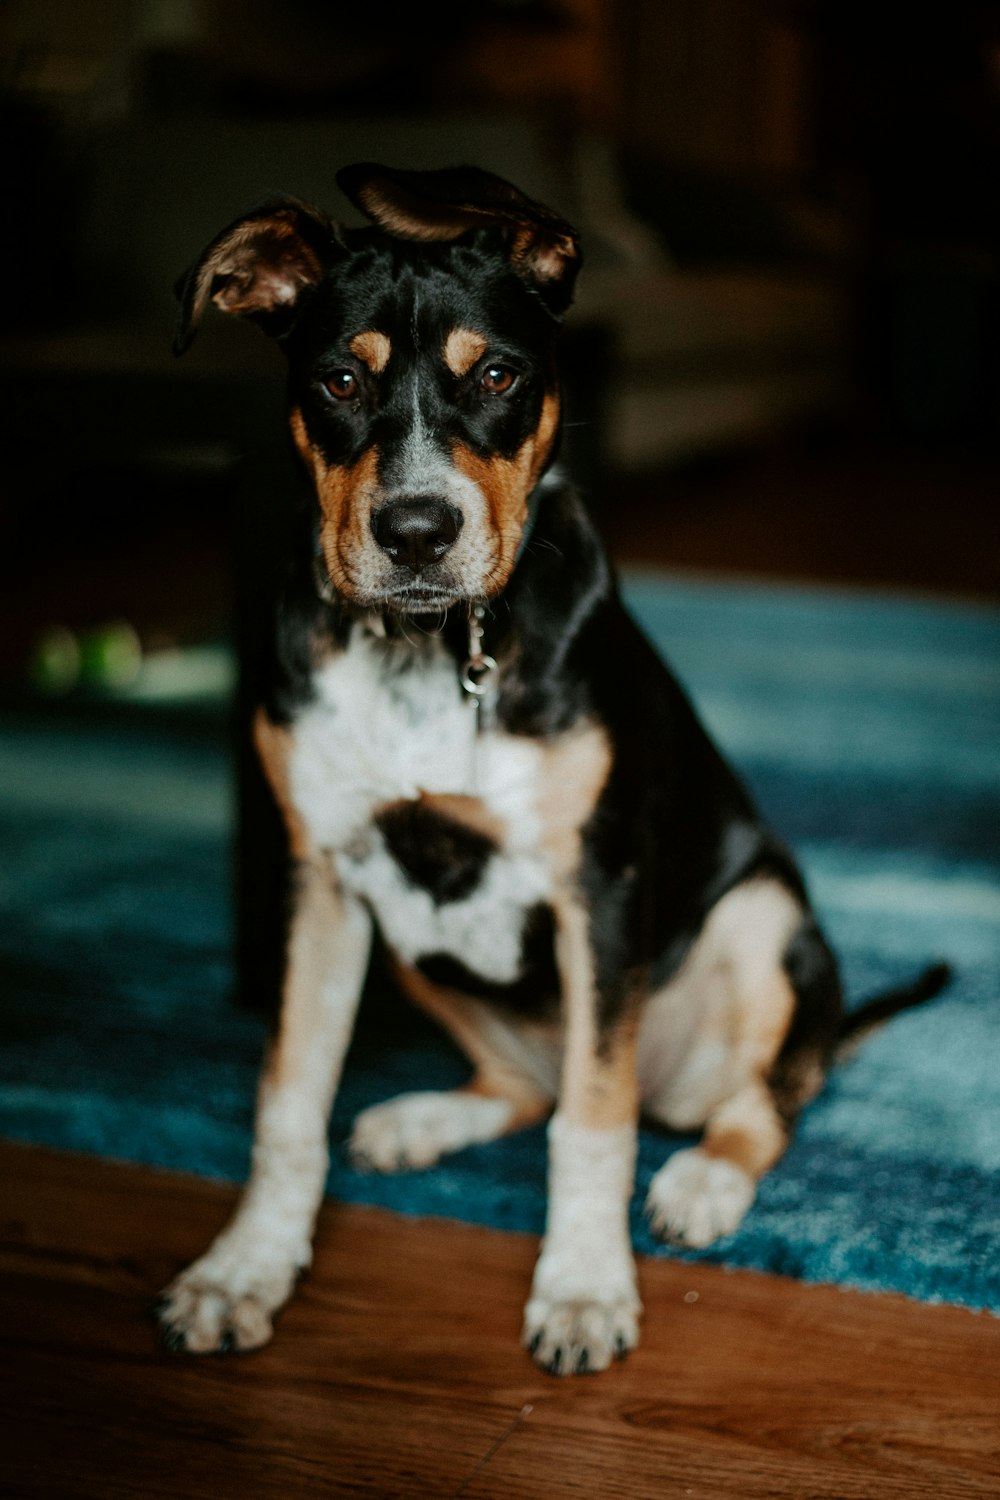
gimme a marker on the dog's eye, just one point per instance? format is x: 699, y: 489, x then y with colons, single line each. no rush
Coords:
x: 342, y: 385
x: 496, y: 379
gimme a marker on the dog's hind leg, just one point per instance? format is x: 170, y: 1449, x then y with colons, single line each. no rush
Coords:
x: 733, y: 1045
x: 703, y: 1192
x: 227, y: 1298
x: 513, y: 1086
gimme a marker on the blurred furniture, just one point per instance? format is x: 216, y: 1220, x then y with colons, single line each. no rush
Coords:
x: 726, y: 331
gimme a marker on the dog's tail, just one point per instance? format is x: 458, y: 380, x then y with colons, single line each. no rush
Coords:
x: 873, y: 1013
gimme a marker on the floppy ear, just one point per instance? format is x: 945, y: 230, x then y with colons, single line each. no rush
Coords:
x: 443, y: 205
x: 258, y: 267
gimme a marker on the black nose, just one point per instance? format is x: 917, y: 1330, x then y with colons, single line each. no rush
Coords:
x: 415, y: 533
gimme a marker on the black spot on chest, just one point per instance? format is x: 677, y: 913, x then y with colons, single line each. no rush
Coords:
x: 445, y: 857
x: 535, y: 993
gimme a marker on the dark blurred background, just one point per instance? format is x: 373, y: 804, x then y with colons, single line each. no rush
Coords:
x: 784, y: 361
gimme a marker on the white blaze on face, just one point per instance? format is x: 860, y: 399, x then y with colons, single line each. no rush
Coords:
x: 422, y: 470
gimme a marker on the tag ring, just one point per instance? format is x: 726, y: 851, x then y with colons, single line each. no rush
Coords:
x: 476, y: 673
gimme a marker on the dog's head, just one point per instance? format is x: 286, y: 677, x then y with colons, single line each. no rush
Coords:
x: 424, y: 399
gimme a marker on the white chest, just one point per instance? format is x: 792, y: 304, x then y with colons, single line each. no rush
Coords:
x: 387, y: 725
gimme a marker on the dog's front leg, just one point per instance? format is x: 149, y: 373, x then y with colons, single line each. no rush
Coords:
x: 227, y: 1298
x: 584, y: 1307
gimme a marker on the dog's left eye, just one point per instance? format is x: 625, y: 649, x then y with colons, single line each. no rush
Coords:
x: 496, y: 379
x: 342, y: 385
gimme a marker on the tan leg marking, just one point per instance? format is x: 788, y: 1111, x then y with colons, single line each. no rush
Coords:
x: 724, y: 1018
x: 703, y: 1193
x: 229, y: 1296
x: 574, y: 773
x: 720, y: 1022
x: 599, y: 1087
x: 584, y: 1306
x: 746, y: 1131
x: 274, y: 745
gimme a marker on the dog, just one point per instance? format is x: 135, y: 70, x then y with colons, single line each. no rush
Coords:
x: 478, y: 755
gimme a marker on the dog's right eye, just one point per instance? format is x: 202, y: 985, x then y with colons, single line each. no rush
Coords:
x: 497, y: 379
x: 342, y: 385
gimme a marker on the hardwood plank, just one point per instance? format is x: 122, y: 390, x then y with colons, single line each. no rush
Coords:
x: 396, y: 1371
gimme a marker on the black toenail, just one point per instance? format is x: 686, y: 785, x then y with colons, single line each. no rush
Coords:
x: 172, y: 1338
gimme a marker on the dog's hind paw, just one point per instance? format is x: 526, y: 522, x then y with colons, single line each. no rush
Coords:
x: 415, y: 1130
x: 696, y: 1198
x: 579, y: 1337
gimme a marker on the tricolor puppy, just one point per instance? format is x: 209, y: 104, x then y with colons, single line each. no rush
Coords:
x: 477, y: 752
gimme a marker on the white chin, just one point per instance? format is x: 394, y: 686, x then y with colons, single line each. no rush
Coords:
x: 419, y: 599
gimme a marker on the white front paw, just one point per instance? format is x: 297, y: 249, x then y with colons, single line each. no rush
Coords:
x: 584, y: 1307
x: 696, y: 1198
x: 224, y: 1302
x: 578, y: 1336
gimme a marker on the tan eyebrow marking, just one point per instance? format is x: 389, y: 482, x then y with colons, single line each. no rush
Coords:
x: 372, y: 348
x: 462, y: 348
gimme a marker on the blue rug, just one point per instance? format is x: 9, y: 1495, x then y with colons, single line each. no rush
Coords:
x: 869, y: 730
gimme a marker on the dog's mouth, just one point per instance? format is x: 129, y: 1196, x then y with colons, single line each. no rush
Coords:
x: 401, y: 591
x: 407, y: 595
x: 416, y: 598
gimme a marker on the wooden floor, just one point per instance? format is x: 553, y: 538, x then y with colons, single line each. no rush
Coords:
x: 396, y: 1371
